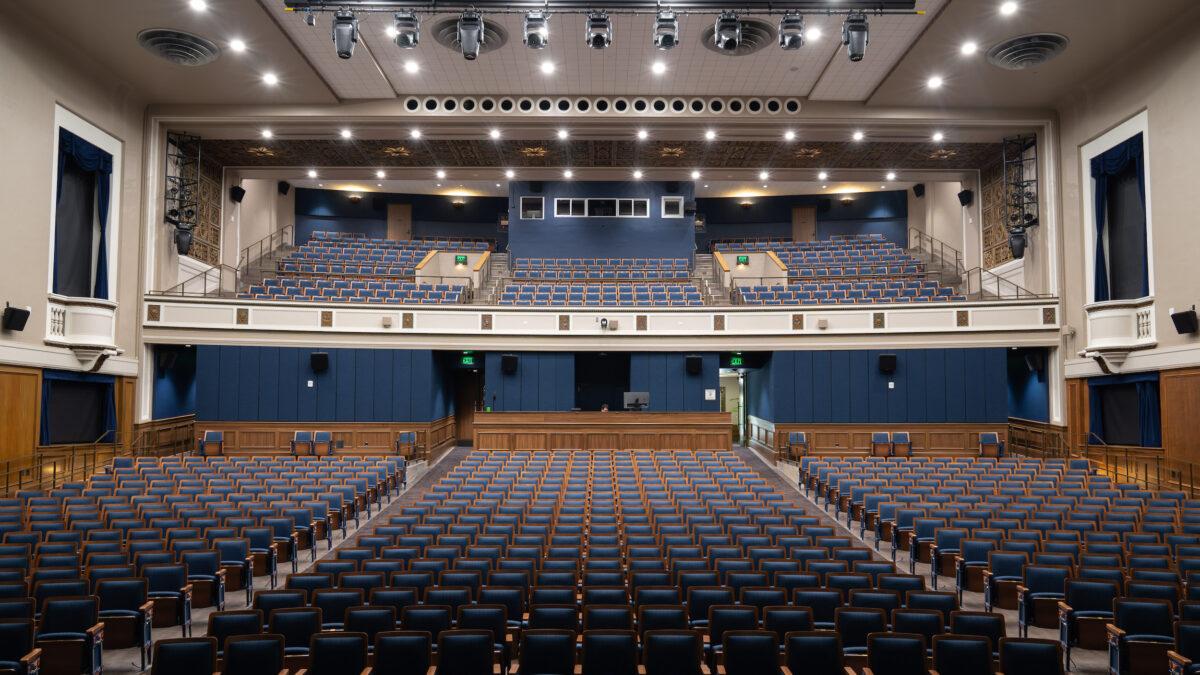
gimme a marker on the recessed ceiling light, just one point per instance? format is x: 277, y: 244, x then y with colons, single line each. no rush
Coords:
x: 789, y: 135
x: 510, y: 174
x: 858, y: 135
x: 824, y: 187
x: 548, y: 67
x: 1008, y: 8
x: 237, y: 45
x: 658, y: 68
x: 440, y: 174
x: 763, y: 175
x: 312, y: 173
x: 266, y: 133
x: 891, y: 175
x: 938, y: 137
x: 813, y: 34
x: 270, y: 79
x: 411, y: 67
x: 637, y: 174
x: 439, y: 185
x: 710, y: 135
x: 494, y: 134
x: 380, y: 174
x: 968, y: 48
x: 642, y: 134
x: 706, y: 185
x: 198, y: 5
x: 568, y: 174
x: 497, y: 185
x: 935, y: 82
x: 764, y: 187
x: 823, y: 175
x: 695, y: 175
x: 563, y: 134
x: 320, y: 185
x: 881, y: 187
x: 379, y: 185
x: 391, y: 32
x: 346, y: 133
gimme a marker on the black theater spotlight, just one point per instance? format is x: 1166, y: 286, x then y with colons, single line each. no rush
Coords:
x: 727, y: 31
x: 470, y: 34
x: 406, y: 27
x: 599, y: 30
x: 1017, y: 241
x: 666, y: 30
x: 537, y: 29
x: 856, y: 34
x: 791, y: 32
x: 345, y: 33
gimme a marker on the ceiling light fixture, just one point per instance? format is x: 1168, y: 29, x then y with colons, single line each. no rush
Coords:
x: 666, y: 30
x: 270, y: 79
x: 237, y: 45
x: 658, y: 68
x: 727, y: 31
x: 312, y: 173
x: 598, y: 30
x: 824, y: 175
x: 891, y: 175
x: 391, y: 32
x: 310, y: 19
x: 1008, y: 8
x: 789, y: 135
x: 414, y: 134
x: 637, y: 174
x: 494, y: 134
x: 266, y: 133
x: 813, y: 34
x: 858, y: 135
x: 345, y: 33
x: 198, y: 5
x: 710, y: 135
x: 938, y: 137
x: 346, y: 134
x: 537, y: 29
x: 563, y: 134
x: 412, y: 67
x: 406, y: 30
x: 968, y: 48
x: 695, y: 175
x: 440, y: 174
x: 856, y: 34
x: 509, y: 173
x: 568, y: 174
x: 935, y: 82
x: 548, y: 67
x: 763, y: 175
x: 470, y: 34
x: 791, y: 32
x: 642, y: 134
x: 381, y: 174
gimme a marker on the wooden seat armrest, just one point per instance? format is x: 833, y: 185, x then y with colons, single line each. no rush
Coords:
x: 987, y: 574
x: 32, y: 659
x: 1179, y: 660
x: 849, y: 670
x: 1021, y: 589
x: 641, y: 670
x: 302, y: 671
x: 365, y: 671
x: 1113, y: 631
x: 931, y: 671
x: 867, y: 671
x: 220, y: 574
x: 1064, y: 608
x: 186, y: 590
x: 96, y: 632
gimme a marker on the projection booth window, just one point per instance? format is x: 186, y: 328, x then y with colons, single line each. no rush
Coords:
x: 81, y: 218
x: 532, y: 208
x: 1119, y: 192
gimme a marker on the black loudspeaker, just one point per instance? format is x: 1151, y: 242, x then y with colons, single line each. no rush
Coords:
x: 966, y: 197
x: 694, y: 364
x: 14, y: 317
x: 1035, y: 361
x: 283, y: 186
x: 823, y: 205
x: 919, y: 190
x: 1185, y: 321
x: 166, y: 360
x: 671, y: 186
x: 236, y: 193
x: 319, y: 361
x: 379, y: 203
x: 535, y: 186
x: 887, y: 363
x: 508, y: 363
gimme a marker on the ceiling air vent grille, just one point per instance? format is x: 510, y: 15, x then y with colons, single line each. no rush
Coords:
x: 1027, y: 51
x: 755, y: 36
x: 178, y: 47
x: 445, y: 33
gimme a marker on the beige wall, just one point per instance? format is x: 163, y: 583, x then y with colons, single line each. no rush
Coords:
x: 38, y: 72
x: 262, y: 212
x: 944, y: 214
x: 1163, y: 78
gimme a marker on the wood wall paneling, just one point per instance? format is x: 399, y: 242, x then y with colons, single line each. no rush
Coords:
x: 356, y: 437
x: 20, y: 413
x: 602, y: 431
x: 854, y: 439
x: 1179, y: 397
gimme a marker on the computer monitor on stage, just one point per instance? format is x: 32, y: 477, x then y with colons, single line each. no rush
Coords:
x: 637, y: 400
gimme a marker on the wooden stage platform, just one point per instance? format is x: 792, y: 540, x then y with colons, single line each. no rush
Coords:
x: 603, y: 431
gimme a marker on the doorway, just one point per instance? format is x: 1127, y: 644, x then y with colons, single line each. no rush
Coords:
x: 468, y: 393
x: 733, y: 402
x: 601, y: 378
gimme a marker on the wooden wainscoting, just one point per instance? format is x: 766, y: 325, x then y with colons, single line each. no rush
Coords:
x: 1037, y: 439
x: 855, y: 439
x: 1179, y: 397
x: 167, y: 436
x: 20, y: 414
x: 356, y: 438
x: 603, y: 431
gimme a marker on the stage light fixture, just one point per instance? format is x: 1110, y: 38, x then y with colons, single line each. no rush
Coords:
x: 345, y: 33
x: 407, y: 26
x: 346, y: 134
x: 381, y: 174
x: 710, y: 135
x: 727, y: 31
x: 198, y: 5
x: 791, y: 32
x: 470, y: 34
x: 824, y: 175
x: 310, y: 19
x: 658, y: 68
x: 563, y: 134
x: 415, y: 134
x: 548, y: 67
x: 858, y: 136
x: 568, y: 174
x: 891, y: 175
x: 935, y: 82
x: 599, y: 30
x: 856, y: 34
x: 666, y: 30
x: 440, y: 174
x: 969, y: 48
x: 938, y: 137
x: 763, y: 175
x: 1008, y: 8
x: 267, y: 134
x: 695, y: 175
x: 537, y: 29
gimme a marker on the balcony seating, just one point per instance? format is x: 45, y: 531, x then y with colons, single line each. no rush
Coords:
x: 601, y: 269
x: 602, y: 295
x: 849, y: 292
x: 374, y: 291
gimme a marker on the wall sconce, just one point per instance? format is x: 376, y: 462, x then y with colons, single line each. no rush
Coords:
x: 458, y: 202
x: 847, y: 199
x: 354, y: 197
x: 745, y: 203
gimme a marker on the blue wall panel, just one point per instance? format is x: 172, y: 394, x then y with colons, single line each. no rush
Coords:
x: 883, y: 213
x: 664, y: 375
x: 174, y: 387
x: 432, y: 215
x: 930, y: 385
x: 1028, y: 392
x: 270, y: 384
x: 544, y: 381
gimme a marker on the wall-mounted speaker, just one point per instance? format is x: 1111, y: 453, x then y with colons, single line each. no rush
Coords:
x: 14, y: 317
x: 824, y: 204
x: 966, y: 197
x: 671, y: 186
x: 535, y: 186
x: 508, y: 363
x: 236, y: 193
x: 693, y: 363
x: 283, y: 186
x: 919, y: 190
x: 319, y: 361
x: 887, y: 363
x: 1185, y: 321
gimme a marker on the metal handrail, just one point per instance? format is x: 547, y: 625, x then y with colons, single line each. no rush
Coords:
x: 945, y: 253
x: 981, y: 284
x: 221, y: 280
x: 277, y: 239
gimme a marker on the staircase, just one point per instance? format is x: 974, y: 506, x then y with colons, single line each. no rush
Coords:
x: 704, y: 276
x: 498, y: 277
x: 266, y: 265
x: 942, y: 262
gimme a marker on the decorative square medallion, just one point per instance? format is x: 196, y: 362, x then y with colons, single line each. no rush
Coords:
x: 406, y: 320
x: 797, y: 322
x: 877, y: 320
x: 485, y: 322
x: 243, y: 316
x: 564, y: 322
x: 153, y: 312
x: 641, y: 322
x: 719, y: 322
x: 326, y: 318
x: 963, y: 317
x: 1049, y: 316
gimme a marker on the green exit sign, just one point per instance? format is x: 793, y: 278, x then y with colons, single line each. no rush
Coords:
x: 460, y: 260
x: 736, y: 360
x: 743, y: 260
x: 467, y: 360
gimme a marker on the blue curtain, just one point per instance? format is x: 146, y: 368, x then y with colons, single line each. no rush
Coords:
x: 109, y: 404
x: 1149, y: 417
x: 95, y: 161
x: 1111, y: 163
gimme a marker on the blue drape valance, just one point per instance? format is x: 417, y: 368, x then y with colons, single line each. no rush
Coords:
x: 1105, y: 165
x: 95, y: 161
x: 1148, y: 406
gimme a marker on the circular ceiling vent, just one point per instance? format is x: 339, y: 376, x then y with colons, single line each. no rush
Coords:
x: 178, y: 47
x: 1027, y: 51
x: 756, y: 35
x: 445, y: 32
